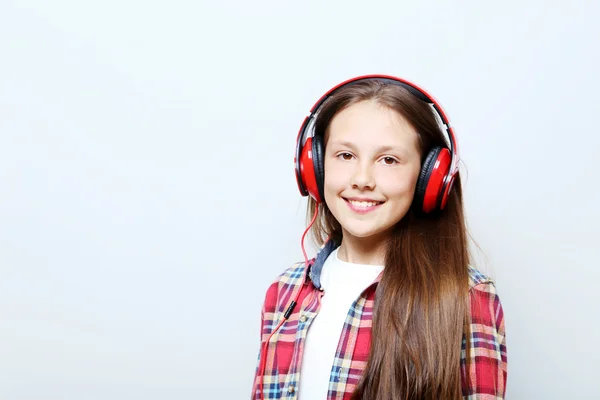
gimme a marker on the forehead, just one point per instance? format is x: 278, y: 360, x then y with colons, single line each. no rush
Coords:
x: 368, y: 124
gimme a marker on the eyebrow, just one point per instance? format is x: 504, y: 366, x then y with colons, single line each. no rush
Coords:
x: 381, y: 149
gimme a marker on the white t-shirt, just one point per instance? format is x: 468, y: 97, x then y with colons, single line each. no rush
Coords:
x: 342, y: 283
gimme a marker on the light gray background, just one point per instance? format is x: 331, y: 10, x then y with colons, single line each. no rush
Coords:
x: 147, y: 194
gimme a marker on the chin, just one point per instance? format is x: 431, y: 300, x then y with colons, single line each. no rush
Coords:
x: 364, y: 232
x: 377, y: 223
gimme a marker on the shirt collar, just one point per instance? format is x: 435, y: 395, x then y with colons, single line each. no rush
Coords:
x: 316, y: 267
x: 316, y: 264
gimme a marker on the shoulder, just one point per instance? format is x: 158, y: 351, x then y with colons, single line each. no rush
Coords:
x: 481, y: 286
x: 476, y: 277
x: 285, y: 282
x: 483, y: 296
x: 291, y: 276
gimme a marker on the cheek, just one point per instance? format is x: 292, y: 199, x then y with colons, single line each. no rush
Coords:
x: 336, y: 177
x: 398, y: 183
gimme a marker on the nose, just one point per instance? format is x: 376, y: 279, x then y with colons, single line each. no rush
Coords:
x: 362, y: 178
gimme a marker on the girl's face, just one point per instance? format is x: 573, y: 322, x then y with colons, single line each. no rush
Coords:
x: 372, y: 163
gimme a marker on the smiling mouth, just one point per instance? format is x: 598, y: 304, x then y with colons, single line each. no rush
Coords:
x: 362, y: 206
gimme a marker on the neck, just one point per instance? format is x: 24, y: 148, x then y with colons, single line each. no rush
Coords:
x: 370, y: 251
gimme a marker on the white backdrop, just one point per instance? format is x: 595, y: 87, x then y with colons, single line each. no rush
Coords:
x: 147, y: 193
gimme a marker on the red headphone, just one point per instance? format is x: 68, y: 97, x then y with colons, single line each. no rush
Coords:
x: 437, y: 172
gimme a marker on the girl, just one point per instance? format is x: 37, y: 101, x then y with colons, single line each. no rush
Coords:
x: 390, y: 307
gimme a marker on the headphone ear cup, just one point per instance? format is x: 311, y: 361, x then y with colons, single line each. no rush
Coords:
x: 431, y: 179
x: 307, y: 170
x: 318, y: 150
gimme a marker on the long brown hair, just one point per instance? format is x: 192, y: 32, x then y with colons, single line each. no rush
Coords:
x: 421, y: 304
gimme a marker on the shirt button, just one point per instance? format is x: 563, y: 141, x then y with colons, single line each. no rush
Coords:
x: 302, y: 319
x: 291, y: 389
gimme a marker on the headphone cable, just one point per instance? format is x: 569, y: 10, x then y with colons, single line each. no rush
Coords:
x: 288, y: 312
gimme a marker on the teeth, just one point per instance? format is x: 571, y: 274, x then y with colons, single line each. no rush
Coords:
x: 363, y: 204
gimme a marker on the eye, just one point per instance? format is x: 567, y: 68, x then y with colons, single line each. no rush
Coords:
x: 389, y: 160
x: 345, y: 156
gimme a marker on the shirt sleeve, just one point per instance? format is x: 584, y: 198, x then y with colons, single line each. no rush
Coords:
x: 487, y: 370
x: 266, y: 315
x: 255, y: 384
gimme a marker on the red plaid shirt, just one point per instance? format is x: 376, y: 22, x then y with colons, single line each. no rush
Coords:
x: 282, y: 372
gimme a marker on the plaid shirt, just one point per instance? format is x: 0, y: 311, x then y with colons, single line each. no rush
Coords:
x: 282, y: 372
